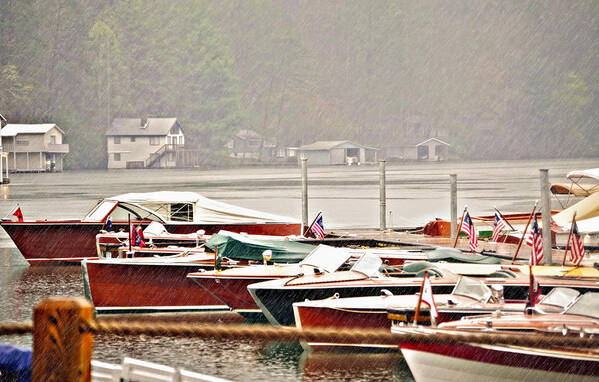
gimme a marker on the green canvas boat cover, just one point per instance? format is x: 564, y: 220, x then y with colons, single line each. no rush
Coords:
x: 454, y: 255
x: 240, y: 247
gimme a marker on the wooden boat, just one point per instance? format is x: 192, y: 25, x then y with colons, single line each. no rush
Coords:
x: 276, y: 297
x: 142, y: 285
x: 494, y: 362
x: 159, y: 283
x: 230, y: 285
x: 469, y: 297
x: 72, y: 240
x: 111, y: 244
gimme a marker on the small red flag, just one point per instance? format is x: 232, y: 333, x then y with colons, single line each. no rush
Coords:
x: 17, y: 212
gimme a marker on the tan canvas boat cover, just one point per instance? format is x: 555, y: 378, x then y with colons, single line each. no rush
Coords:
x: 574, y: 189
x: 585, y: 209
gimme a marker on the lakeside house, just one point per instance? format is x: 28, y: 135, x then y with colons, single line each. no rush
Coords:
x: 34, y: 147
x: 247, y: 144
x: 337, y: 152
x: 431, y: 149
x: 145, y: 143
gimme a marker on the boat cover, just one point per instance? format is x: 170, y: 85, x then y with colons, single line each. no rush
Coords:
x: 240, y: 247
x: 585, y: 209
x: 206, y: 210
x: 453, y: 255
x: 592, y: 173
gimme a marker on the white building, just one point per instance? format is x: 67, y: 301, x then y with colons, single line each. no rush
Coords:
x: 141, y: 143
x: 34, y: 147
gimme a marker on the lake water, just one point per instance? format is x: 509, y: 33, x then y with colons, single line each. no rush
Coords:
x: 347, y: 196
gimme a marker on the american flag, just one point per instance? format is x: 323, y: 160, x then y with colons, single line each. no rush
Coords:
x: 427, y: 296
x: 497, y: 227
x: 536, y: 242
x: 468, y: 228
x: 577, y: 250
x: 318, y: 228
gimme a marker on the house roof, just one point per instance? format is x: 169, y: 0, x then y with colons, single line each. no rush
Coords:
x: 433, y: 139
x: 12, y: 129
x: 329, y: 145
x: 133, y: 126
x: 244, y: 134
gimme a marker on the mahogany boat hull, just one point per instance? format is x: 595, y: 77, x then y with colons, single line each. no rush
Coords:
x: 75, y: 240
x: 466, y: 362
x: 117, y: 287
x: 231, y: 291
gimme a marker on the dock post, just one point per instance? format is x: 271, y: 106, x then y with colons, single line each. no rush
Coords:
x: 304, y: 164
x: 546, y: 215
x: 62, y: 344
x: 383, y: 196
x: 453, y: 186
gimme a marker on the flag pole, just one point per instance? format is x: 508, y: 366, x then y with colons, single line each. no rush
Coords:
x: 457, y: 234
x: 504, y: 219
x: 129, y: 222
x: 524, y: 232
x: 530, y: 286
x: 569, y: 238
x: 314, y: 221
x: 417, y: 313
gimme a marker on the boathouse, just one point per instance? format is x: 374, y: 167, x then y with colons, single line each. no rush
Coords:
x: 145, y: 142
x: 431, y: 149
x: 337, y: 152
x: 34, y: 147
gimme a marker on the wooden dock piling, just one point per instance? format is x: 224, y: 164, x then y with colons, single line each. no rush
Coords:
x: 383, y: 195
x: 62, y: 343
x: 304, y: 165
x: 453, y: 209
x: 546, y: 215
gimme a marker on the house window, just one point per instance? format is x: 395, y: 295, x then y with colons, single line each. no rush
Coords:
x: 22, y: 142
x: 154, y: 141
x: 117, y: 157
x: 53, y: 139
x: 132, y: 139
x: 117, y: 141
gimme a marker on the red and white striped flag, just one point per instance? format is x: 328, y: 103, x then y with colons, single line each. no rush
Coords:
x: 497, y: 227
x: 427, y: 296
x: 468, y: 228
x: 577, y: 250
x: 318, y: 228
x: 536, y: 242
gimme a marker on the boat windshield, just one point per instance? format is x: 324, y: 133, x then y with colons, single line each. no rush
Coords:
x: 368, y: 264
x: 326, y: 257
x: 586, y: 305
x: 121, y: 212
x: 101, y: 210
x: 561, y: 297
x: 472, y: 288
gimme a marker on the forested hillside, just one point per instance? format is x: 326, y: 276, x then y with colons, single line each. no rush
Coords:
x: 501, y: 79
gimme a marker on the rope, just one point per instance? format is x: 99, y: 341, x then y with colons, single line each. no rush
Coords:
x: 8, y: 328
x: 332, y: 335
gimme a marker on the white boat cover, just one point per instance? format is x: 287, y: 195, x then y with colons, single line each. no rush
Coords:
x: 592, y: 173
x: 205, y: 210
